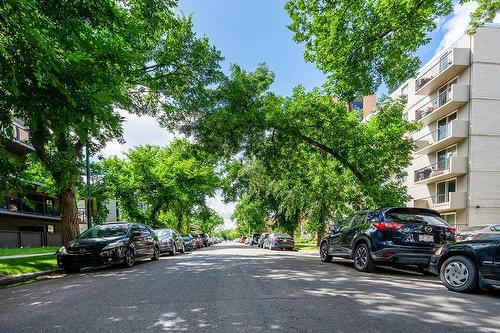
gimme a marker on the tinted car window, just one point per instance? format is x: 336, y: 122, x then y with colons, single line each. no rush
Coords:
x: 104, y: 231
x: 358, y: 220
x: 495, y: 228
x: 164, y: 233
x: 145, y: 231
x: 403, y: 215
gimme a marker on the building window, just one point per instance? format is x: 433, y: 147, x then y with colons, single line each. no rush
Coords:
x: 404, y: 90
x: 444, y: 126
x: 444, y: 189
x: 450, y: 218
x: 443, y: 158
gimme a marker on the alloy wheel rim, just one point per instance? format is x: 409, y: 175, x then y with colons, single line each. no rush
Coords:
x: 456, y: 274
x: 130, y: 259
x: 323, y: 251
x: 361, y: 257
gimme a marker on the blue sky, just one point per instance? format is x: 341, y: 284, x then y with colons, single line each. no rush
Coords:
x: 249, y: 32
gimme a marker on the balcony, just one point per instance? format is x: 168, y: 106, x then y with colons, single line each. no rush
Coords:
x: 29, y: 208
x: 443, y: 203
x: 444, y: 69
x: 19, y: 145
x: 442, y: 137
x: 444, y: 103
x: 445, y: 169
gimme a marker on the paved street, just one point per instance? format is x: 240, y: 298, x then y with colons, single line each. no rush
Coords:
x: 235, y: 288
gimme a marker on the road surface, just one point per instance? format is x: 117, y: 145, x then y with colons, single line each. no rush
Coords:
x: 236, y: 288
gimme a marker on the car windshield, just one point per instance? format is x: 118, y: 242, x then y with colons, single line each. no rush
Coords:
x: 164, y: 233
x: 105, y: 231
x: 407, y: 215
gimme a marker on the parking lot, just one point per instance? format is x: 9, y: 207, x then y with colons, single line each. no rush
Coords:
x: 232, y: 287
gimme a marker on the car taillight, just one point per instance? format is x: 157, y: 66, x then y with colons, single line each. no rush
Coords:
x: 388, y: 226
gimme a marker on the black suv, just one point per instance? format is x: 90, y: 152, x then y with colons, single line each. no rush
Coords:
x: 466, y: 265
x: 389, y: 236
x: 107, y: 244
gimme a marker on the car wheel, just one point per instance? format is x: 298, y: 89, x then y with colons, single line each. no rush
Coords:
x: 174, y: 250
x: 459, y: 273
x: 156, y: 253
x: 129, y: 258
x: 362, y: 258
x: 323, y: 253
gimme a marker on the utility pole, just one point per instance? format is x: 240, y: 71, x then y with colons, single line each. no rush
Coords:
x: 88, y: 203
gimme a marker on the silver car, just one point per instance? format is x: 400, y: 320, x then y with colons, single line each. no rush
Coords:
x: 477, y: 231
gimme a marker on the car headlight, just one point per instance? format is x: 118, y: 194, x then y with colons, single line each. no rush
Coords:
x: 114, y: 245
x: 62, y: 250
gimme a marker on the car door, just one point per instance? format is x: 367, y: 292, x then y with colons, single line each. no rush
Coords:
x: 335, y: 238
x: 348, y: 235
x: 148, y: 240
x: 137, y: 242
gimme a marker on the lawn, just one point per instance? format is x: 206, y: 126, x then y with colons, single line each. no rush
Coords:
x: 27, y: 265
x: 305, y: 246
x: 28, y: 250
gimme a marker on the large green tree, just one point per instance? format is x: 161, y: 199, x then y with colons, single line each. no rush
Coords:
x: 360, y: 44
x: 67, y: 66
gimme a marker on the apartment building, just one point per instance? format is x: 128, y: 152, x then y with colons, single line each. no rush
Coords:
x: 456, y: 97
x: 32, y: 219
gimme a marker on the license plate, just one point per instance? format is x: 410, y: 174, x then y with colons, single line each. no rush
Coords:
x: 426, y: 238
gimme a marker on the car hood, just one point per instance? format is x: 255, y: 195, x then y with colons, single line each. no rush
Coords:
x: 93, y: 243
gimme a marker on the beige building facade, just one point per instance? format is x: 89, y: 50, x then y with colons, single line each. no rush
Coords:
x: 456, y: 97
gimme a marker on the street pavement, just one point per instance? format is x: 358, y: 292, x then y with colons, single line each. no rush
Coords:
x: 236, y: 288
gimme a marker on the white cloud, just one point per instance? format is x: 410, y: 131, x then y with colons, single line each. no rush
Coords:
x: 455, y: 27
x: 138, y: 131
x: 224, y: 209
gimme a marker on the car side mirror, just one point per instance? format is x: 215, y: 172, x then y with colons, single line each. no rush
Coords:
x: 334, y: 228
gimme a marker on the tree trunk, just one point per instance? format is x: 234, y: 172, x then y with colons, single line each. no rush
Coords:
x: 320, y: 232
x: 179, y: 222
x: 69, y: 214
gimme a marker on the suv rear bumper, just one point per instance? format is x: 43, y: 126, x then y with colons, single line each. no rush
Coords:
x: 405, y: 256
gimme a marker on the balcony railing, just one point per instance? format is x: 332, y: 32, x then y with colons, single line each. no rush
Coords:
x: 444, y: 62
x: 436, y: 169
x: 27, y: 206
x: 443, y: 202
x: 435, y: 103
x: 438, y: 134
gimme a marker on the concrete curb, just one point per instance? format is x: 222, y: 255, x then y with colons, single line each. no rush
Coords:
x: 28, y: 276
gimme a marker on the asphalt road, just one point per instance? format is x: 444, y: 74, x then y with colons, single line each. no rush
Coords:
x: 236, y: 288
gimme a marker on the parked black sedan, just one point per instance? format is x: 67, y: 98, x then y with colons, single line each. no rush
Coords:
x: 107, y: 244
x: 465, y: 266
x: 170, y: 241
x: 389, y: 236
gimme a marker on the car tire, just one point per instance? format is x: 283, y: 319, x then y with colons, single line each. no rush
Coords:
x: 156, y: 253
x: 363, y: 261
x: 323, y: 253
x: 460, y: 274
x: 129, y: 258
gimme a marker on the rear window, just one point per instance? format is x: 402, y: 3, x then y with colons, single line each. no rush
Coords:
x: 282, y: 236
x: 415, y: 216
x: 164, y: 233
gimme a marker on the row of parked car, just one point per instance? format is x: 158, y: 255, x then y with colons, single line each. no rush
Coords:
x: 271, y: 241
x: 464, y: 261
x: 125, y: 243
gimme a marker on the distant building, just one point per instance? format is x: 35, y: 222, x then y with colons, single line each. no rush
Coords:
x: 33, y: 220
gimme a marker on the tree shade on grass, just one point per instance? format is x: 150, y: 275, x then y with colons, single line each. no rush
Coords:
x: 27, y: 265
